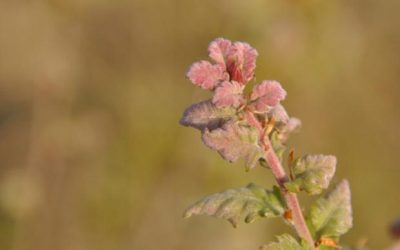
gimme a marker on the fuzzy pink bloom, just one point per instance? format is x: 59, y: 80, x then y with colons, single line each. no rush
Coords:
x: 218, y: 50
x: 267, y: 94
x: 238, y: 59
x: 206, y: 75
x: 241, y: 62
x: 228, y: 94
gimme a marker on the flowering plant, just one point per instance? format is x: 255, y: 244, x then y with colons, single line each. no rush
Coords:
x: 255, y: 127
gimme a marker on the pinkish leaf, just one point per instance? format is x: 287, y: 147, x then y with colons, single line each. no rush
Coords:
x: 206, y: 75
x: 267, y: 94
x: 279, y: 114
x: 234, y: 141
x: 292, y: 126
x: 206, y: 115
x: 218, y: 50
x: 241, y: 62
x: 228, y: 94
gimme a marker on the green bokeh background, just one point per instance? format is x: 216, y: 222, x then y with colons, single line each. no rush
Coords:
x: 91, y: 92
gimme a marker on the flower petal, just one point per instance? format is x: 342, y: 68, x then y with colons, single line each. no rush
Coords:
x: 228, y: 94
x: 267, y: 94
x: 206, y: 75
x: 219, y: 49
x: 241, y: 62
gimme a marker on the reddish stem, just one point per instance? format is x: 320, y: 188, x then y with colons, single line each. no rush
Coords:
x: 281, y: 177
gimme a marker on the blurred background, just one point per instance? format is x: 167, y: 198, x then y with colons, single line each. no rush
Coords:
x: 91, y: 92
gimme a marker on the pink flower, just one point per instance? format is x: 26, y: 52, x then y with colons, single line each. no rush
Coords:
x: 267, y: 94
x: 218, y: 50
x: 241, y: 62
x: 228, y: 94
x: 233, y: 62
x: 206, y: 75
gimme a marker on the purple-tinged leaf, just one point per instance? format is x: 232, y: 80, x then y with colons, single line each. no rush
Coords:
x: 248, y: 203
x: 218, y: 50
x: 228, y: 94
x: 267, y: 94
x: 234, y: 141
x: 241, y: 62
x: 206, y: 115
x: 206, y: 75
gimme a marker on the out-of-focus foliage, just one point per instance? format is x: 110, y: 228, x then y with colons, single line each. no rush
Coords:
x: 91, y: 92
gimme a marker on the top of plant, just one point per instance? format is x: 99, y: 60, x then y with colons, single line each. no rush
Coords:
x: 232, y: 68
x: 254, y: 126
x: 225, y: 120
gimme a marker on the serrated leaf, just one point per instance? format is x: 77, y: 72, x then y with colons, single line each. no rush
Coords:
x: 267, y: 94
x: 248, y: 203
x: 206, y: 115
x: 241, y: 62
x: 285, y: 242
x: 206, y: 75
x: 218, y: 50
x: 331, y: 216
x: 228, y: 94
x: 234, y: 141
x: 313, y: 173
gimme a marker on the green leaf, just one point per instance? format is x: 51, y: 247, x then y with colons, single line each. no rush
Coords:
x: 285, y: 242
x: 248, y: 203
x: 234, y: 141
x: 331, y: 216
x: 313, y: 173
x: 206, y: 115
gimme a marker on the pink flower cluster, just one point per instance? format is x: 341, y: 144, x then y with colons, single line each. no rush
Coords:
x: 232, y: 68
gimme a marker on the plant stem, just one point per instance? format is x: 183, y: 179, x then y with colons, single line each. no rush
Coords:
x: 291, y: 198
x: 281, y: 177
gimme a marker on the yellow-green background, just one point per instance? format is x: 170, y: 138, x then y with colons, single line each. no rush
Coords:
x: 91, y: 91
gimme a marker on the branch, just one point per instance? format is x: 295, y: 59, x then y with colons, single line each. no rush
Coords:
x: 291, y: 198
x: 281, y: 177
